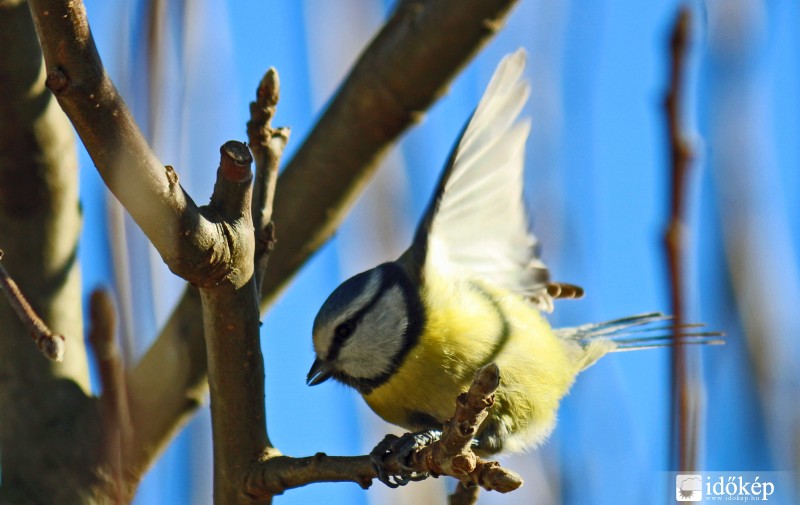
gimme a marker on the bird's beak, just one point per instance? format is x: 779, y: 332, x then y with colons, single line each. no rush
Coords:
x: 319, y: 373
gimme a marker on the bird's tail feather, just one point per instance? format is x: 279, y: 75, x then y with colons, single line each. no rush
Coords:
x: 640, y: 332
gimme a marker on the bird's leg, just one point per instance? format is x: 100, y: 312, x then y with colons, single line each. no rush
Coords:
x: 401, y: 449
x: 490, y: 439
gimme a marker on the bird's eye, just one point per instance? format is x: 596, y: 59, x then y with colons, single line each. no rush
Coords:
x: 343, y: 331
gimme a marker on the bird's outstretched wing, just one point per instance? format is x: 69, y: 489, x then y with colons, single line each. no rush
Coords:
x: 477, y: 221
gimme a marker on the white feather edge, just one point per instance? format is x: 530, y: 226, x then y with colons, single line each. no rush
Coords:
x: 481, y: 225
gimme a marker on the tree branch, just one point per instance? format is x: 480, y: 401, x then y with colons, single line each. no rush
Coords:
x: 684, y: 401
x: 273, y: 475
x: 168, y: 385
x: 50, y: 344
x: 231, y: 328
x: 236, y: 379
x: 452, y: 454
x: 211, y: 247
x: 180, y: 348
x: 191, y: 246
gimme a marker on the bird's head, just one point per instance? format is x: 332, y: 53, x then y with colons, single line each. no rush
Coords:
x: 365, y: 328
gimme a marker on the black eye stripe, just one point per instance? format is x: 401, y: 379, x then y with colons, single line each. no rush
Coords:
x: 345, y: 329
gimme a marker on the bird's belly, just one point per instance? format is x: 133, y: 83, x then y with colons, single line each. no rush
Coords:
x: 420, y: 396
x: 535, y: 368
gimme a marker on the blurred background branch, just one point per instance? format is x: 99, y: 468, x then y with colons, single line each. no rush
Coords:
x: 687, y: 388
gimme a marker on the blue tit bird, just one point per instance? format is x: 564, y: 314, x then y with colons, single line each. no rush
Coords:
x: 410, y: 334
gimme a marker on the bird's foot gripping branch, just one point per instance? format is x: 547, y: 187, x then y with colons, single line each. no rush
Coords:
x: 451, y: 454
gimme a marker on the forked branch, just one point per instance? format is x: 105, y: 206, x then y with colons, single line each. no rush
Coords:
x: 211, y: 247
x: 193, y: 247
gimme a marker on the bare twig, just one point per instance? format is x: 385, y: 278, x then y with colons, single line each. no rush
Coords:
x: 102, y: 337
x: 267, y: 144
x: 49, y: 343
x: 451, y: 455
x: 274, y: 474
x: 685, y: 407
x: 116, y: 413
x: 232, y: 191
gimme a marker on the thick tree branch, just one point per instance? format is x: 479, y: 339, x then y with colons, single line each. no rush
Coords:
x: 231, y: 327
x: 236, y: 378
x: 168, y: 384
x: 451, y: 455
x: 402, y: 72
x: 180, y: 349
x: 684, y: 399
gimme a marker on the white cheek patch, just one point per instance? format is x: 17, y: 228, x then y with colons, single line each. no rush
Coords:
x: 378, y: 338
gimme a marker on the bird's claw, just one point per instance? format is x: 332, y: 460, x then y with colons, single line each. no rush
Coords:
x: 401, y: 448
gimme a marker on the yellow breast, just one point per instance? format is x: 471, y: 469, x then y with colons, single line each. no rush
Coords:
x: 470, y: 324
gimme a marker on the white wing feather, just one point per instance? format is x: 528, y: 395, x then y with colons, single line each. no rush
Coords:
x: 480, y: 224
